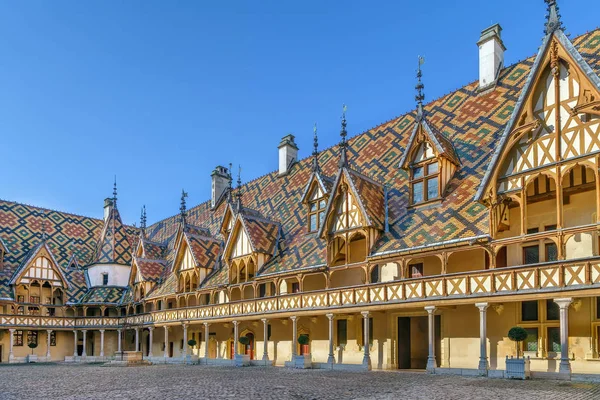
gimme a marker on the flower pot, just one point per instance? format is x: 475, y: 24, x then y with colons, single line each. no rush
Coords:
x: 303, y: 362
x: 518, y: 368
x: 242, y: 360
x: 31, y: 358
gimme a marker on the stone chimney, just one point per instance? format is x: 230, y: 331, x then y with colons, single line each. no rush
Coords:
x: 288, y: 153
x: 491, y: 56
x: 220, y: 181
x: 108, y: 203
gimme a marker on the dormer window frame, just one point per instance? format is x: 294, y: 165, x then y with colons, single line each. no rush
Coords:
x: 425, y: 176
x: 316, y: 207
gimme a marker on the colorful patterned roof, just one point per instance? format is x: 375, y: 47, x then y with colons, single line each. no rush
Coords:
x: 104, y: 295
x: 151, y: 270
x: 442, y: 145
x: 262, y: 233
x: 31, y: 256
x: 114, y: 246
x: 205, y: 250
x: 152, y: 250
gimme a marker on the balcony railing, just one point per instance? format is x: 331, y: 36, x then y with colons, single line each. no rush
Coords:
x: 546, y: 277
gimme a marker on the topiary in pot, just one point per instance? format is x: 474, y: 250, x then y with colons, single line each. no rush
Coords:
x: 244, y: 340
x: 191, y: 342
x: 32, y: 346
x: 517, y: 334
x: 303, y: 340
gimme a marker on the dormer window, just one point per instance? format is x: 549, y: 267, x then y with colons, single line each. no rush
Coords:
x: 105, y: 279
x: 316, y: 209
x: 425, y: 185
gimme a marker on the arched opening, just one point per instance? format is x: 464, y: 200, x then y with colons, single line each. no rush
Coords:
x: 266, y: 289
x: 338, y: 250
x: 248, y: 292
x: 316, y: 281
x: 388, y: 272
x: 58, y: 296
x: 426, y: 266
x: 347, y: 277
x: 469, y: 260
x: 289, y: 285
x: 192, y: 301
x: 204, y: 299
x: 357, y: 248
x: 579, y: 196
x: 541, y: 205
x: 182, y: 282
x: 236, y: 294
x: 249, y: 348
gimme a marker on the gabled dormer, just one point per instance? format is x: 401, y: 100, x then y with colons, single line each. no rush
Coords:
x: 429, y: 157
x: 145, y: 275
x: 252, y: 243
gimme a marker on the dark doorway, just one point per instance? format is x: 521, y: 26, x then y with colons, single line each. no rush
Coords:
x: 80, y: 350
x: 413, y: 343
x: 404, y: 343
x: 147, y: 344
x: 170, y: 349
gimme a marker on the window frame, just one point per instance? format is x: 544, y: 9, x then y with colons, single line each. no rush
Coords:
x: 542, y: 325
x: 425, y: 178
x: 317, y: 211
x: 105, y: 279
x: 18, y: 338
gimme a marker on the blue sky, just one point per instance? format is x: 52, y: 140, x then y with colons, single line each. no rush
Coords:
x: 160, y: 92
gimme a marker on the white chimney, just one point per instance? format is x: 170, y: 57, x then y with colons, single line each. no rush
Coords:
x: 108, y: 203
x: 288, y: 153
x: 220, y: 180
x: 491, y: 56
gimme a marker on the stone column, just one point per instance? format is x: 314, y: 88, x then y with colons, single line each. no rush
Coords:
x: 137, y: 338
x: 565, y: 363
x: 294, y: 335
x: 483, y: 359
x: 330, y: 358
x: 84, y: 333
x: 48, y: 334
x: 431, y: 357
x: 150, y: 340
x: 74, y: 343
x: 119, y: 332
x: 101, y: 342
x: 166, y: 342
x: 366, y: 340
x: 235, y: 338
x: 266, y: 339
x: 185, y: 340
x: 10, y: 349
x: 206, y: 337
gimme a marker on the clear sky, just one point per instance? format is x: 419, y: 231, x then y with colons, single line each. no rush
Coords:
x: 160, y: 92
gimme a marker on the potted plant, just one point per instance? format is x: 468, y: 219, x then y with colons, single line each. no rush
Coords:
x: 517, y: 368
x: 303, y: 361
x: 32, y: 357
x: 243, y: 360
x: 190, y: 358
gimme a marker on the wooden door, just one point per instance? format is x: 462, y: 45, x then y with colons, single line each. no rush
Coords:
x: 404, y: 343
x: 170, y: 349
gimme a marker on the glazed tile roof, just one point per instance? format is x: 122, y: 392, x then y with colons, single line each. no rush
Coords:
x: 152, y: 250
x: 115, y: 245
x: 31, y: 256
x: 104, y: 295
x: 151, y: 270
x: 441, y: 143
x: 205, y: 250
x: 262, y: 233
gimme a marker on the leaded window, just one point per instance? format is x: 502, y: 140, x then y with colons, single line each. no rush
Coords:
x: 425, y: 176
x: 316, y: 209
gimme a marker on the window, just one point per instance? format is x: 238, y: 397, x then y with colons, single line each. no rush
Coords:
x: 551, y: 252
x: 32, y: 337
x: 262, y: 290
x: 550, y: 227
x: 552, y: 311
x: 362, y: 331
x: 531, y: 343
x: 316, y: 209
x: 269, y: 332
x: 295, y: 287
x: 34, y: 299
x: 105, y: 279
x: 415, y: 270
x: 51, y: 312
x: 554, y: 339
x: 18, y: 338
x: 53, y: 338
x: 342, y: 332
x: 20, y: 299
x: 425, y: 181
x: 532, y: 230
x: 375, y: 274
x: 531, y: 254
x: 529, y: 311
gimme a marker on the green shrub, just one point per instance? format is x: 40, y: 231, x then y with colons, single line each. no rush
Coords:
x: 191, y: 342
x: 517, y: 334
x: 303, y: 339
x: 244, y: 340
x: 32, y: 346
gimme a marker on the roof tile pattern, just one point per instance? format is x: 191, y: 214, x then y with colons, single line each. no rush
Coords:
x: 114, y: 246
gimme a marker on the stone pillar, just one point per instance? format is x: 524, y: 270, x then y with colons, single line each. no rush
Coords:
x: 150, y: 340
x: 431, y: 357
x: 48, y: 334
x: 294, y: 335
x: 185, y: 340
x: 10, y: 349
x: 483, y: 359
x: 565, y: 363
x: 119, y: 332
x: 330, y: 358
x: 235, y: 338
x: 137, y: 338
x: 366, y: 340
x: 266, y: 339
x: 206, y: 337
x: 101, y: 342
x: 74, y: 343
x: 166, y: 342
x: 84, y: 333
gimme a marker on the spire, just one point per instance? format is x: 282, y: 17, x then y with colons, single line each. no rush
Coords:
x: 553, y: 21
x: 343, y: 144
x: 238, y: 194
x: 230, y: 185
x: 143, y: 219
x: 183, y: 208
x: 315, y: 150
x: 115, y: 193
x: 420, y: 95
x: 44, y: 226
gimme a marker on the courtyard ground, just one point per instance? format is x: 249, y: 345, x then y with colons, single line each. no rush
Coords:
x: 63, y: 381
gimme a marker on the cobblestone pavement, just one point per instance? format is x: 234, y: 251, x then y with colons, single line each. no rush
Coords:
x: 62, y: 381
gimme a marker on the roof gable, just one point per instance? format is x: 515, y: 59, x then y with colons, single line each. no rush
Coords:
x: 423, y: 131
x: 317, y: 178
x: 39, y: 265
x: 114, y: 246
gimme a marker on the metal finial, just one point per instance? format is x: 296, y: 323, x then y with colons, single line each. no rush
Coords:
x: 183, y: 208
x: 143, y: 219
x: 115, y: 193
x: 238, y: 194
x: 315, y: 149
x: 553, y: 21
x: 420, y: 95
x: 343, y: 144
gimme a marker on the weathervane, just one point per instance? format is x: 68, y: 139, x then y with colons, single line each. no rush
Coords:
x: 115, y: 193
x: 420, y: 95
x: 238, y: 193
x: 183, y: 208
x: 315, y: 150
x: 343, y: 144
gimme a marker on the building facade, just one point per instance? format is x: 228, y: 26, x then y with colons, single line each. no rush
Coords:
x: 415, y: 245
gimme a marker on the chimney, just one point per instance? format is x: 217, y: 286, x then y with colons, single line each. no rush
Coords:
x: 288, y: 154
x: 108, y: 203
x: 491, y: 56
x: 220, y: 180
